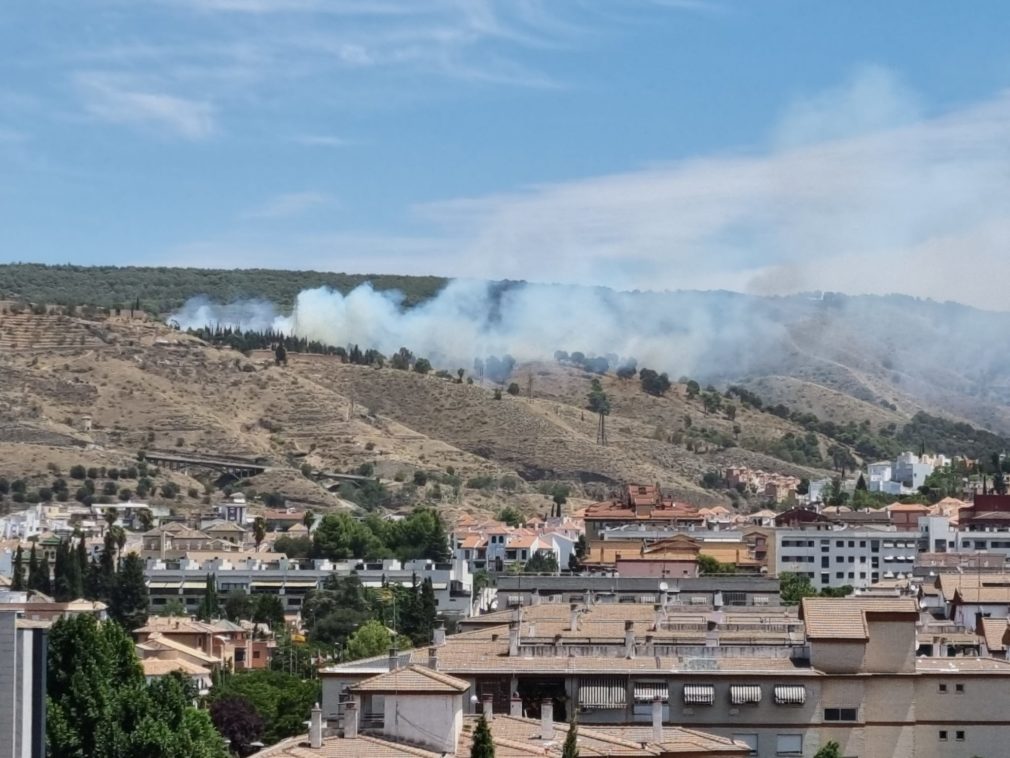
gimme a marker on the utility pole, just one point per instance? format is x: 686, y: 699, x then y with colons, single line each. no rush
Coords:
x: 601, y: 430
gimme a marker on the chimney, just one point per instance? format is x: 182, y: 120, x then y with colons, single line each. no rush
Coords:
x: 573, y: 618
x: 394, y: 659
x: 629, y: 639
x: 657, y: 720
x: 316, y: 727
x: 350, y: 720
x: 547, y: 720
x: 433, y: 658
x: 438, y: 637
x: 487, y: 701
x: 513, y: 639
x: 516, y: 706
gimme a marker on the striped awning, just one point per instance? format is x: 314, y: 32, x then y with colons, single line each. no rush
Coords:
x: 740, y: 694
x: 699, y: 694
x: 789, y: 694
x: 602, y: 692
x: 649, y: 691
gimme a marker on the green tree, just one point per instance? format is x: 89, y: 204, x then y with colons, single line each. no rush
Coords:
x: 259, y: 530
x: 510, y: 516
x: 829, y: 750
x: 422, y: 365
x: 794, y: 587
x: 268, y: 609
x: 571, y: 747
x: 238, y: 605
x: 861, y: 483
x: 283, y: 701
x: 513, y: 389
x: 371, y: 639
x: 209, y: 607
x: 18, y: 577
x: 542, y: 563
x: 129, y: 600
x: 38, y: 573
x: 707, y: 565
x: 482, y: 745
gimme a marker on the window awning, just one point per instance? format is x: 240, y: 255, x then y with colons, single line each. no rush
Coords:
x: 740, y: 694
x: 788, y: 694
x: 649, y: 691
x: 699, y: 694
x: 602, y: 692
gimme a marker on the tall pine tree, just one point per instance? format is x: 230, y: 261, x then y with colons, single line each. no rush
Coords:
x: 209, y: 607
x: 129, y: 601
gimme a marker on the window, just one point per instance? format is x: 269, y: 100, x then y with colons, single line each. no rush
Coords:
x: 943, y: 735
x: 840, y: 714
x: 941, y: 687
x: 825, y: 562
x: 789, y: 744
x: 839, y: 575
x: 959, y: 688
x: 959, y: 736
x: 750, y: 740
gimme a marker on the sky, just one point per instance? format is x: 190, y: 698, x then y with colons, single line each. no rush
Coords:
x: 763, y: 146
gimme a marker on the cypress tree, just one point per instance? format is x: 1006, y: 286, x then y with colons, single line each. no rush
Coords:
x: 482, y: 745
x: 82, y: 559
x: 209, y: 607
x: 571, y: 746
x: 38, y: 573
x: 129, y: 601
x: 61, y: 589
x: 18, y: 579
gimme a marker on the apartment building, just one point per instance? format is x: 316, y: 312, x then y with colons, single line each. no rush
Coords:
x: 782, y: 681
x: 185, y: 579
x: 833, y: 556
x: 23, y: 648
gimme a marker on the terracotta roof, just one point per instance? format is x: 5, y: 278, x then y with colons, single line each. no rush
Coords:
x: 338, y: 747
x: 957, y: 665
x: 162, y: 667
x: 992, y: 632
x: 907, y: 508
x: 845, y: 618
x: 413, y: 678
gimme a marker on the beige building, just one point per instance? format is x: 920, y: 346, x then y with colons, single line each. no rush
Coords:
x: 784, y: 681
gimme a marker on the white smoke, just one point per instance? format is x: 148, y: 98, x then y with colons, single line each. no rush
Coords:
x: 681, y: 333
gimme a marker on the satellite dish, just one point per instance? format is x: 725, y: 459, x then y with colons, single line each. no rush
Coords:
x: 663, y: 586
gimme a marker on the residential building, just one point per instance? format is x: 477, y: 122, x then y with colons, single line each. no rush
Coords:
x: 211, y: 644
x: 23, y: 651
x: 782, y: 682
x: 639, y: 504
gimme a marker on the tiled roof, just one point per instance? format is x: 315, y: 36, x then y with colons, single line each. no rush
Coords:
x: 413, y: 678
x: 845, y: 618
x: 958, y: 665
x: 993, y: 631
x: 162, y: 667
x: 338, y: 747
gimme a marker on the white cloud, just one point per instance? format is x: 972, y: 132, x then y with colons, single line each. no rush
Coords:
x: 117, y: 100
x: 290, y: 205
x: 321, y: 140
x: 893, y: 209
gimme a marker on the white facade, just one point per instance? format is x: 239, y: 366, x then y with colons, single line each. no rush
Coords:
x: 846, y: 556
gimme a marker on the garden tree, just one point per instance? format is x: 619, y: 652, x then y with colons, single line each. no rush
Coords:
x: 708, y: 565
x: 836, y: 496
x: 146, y: 519
x: 173, y: 607
x: 542, y: 563
x: 259, y: 530
x: 861, y: 483
x: 578, y: 554
x: 269, y: 610
x: 427, y: 613
x: 282, y: 701
x: 18, y: 580
x: 513, y: 389
x: 129, y: 600
x: 238, y: 606
x: 829, y: 750
x: 794, y: 587
x: 999, y: 481
x: 309, y: 519
x: 571, y: 747
x: 597, y: 400
x: 99, y: 706
x: 482, y: 745
x: 209, y: 607
x: 293, y: 547
x: 68, y: 583
x: 509, y: 515
x: 238, y: 722
x: 373, y: 638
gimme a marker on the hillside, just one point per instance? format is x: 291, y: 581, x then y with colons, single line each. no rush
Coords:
x: 144, y: 386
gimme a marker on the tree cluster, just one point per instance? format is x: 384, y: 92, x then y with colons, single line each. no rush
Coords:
x: 421, y: 535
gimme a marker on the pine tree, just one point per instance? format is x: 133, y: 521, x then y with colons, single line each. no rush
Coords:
x: 571, y: 746
x: 38, y: 574
x: 209, y: 607
x: 427, y: 612
x: 61, y: 588
x: 129, y: 601
x: 18, y: 579
x: 483, y: 744
x: 82, y: 560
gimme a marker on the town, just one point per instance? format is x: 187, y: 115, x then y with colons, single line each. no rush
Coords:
x: 644, y: 623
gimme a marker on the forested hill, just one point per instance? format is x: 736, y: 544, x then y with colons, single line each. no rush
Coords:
x: 162, y: 289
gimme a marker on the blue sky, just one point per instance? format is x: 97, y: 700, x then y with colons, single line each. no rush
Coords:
x: 758, y: 146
